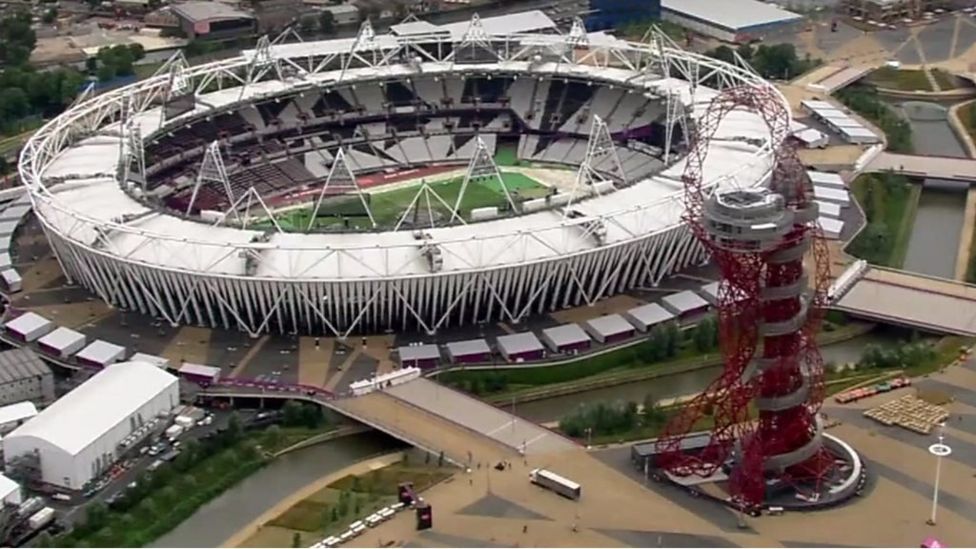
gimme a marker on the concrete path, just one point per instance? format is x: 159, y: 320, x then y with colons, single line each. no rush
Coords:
x: 191, y: 344
x: 315, y: 361
x: 248, y: 357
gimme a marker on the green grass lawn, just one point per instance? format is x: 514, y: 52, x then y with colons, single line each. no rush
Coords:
x: 902, y: 80
x: 389, y: 206
x: 889, y: 202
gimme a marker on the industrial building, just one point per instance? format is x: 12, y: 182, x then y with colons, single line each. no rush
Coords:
x: 76, y: 439
x: 731, y: 20
x: 24, y: 376
x: 612, y: 14
x: 213, y: 20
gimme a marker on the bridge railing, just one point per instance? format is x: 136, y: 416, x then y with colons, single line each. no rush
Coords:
x: 270, y: 386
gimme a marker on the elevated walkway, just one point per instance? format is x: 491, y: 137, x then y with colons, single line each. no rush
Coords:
x: 908, y: 299
x: 937, y: 167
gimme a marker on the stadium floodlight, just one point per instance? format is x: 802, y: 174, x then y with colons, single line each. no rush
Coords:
x: 482, y: 167
x: 211, y: 171
x: 577, y: 34
x: 340, y: 181
x: 676, y: 114
x: 243, y: 206
x: 421, y: 208
x: 600, y: 149
x: 475, y: 38
x: 133, y: 158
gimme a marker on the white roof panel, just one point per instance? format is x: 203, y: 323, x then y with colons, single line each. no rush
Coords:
x: 610, y: 325
x: 831, y: 194
x: 158, y: 361
x: 61, y: 338
x: 7, y: 487
x: 828, y: 209
x: 650, y: 314
x: 18, y: 411
x: 683, y: 302
x: 524, y: 342
x: 567, y: 334
x: 826, y: 179
x: 419, y: 352
x: 192, y: 369
x: 101, y: 352
x: 731, y: 14
x: 80, y: 417
x: 468, y: 347
x: 832, y: 227
x: 28, y: 322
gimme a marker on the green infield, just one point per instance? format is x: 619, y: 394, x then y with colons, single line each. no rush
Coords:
x: 389, y: 206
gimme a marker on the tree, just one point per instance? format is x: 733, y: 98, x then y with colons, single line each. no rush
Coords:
x: 234, y: 429
x: 723, y: 53
x: 105, y: 73
x: 296, y: 540
x: 343, y: 504
x: 291, y: 413
x: 334, y: 514
x: 327, y: 23
x: 50, y: 15
x: 96, y: 516
x: 44, y: 540
x: 308, y: 25
x: 272, y: 437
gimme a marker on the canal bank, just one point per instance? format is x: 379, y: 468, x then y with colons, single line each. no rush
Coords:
x: 218, y: 520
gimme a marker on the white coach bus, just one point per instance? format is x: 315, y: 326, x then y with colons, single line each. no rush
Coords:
x: 556, y: 483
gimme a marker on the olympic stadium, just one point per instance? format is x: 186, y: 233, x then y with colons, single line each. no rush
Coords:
x: 405, y: 181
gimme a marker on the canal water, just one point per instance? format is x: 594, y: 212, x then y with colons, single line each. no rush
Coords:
x: 934, y: 242
x: 218, y: 520
x: 551, y: 409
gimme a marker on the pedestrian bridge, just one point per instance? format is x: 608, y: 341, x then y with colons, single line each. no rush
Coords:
x: 906, y: 299
x: 937, y: 167
x: 427, y: 415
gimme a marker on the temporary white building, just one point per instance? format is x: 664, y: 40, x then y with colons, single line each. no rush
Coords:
x: 62, y: 342
x: 28, y: 326
x: 100, y: 353
x: 77, y: 438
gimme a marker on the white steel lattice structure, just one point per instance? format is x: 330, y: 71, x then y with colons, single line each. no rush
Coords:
x: 186, y: 270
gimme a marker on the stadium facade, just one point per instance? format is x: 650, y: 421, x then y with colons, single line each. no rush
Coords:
x: 135, y: 187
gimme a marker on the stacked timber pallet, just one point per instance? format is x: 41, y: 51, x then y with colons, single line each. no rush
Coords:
x: 909, y: 412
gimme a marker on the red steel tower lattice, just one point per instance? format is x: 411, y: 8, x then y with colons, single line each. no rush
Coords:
x: 765, y: 405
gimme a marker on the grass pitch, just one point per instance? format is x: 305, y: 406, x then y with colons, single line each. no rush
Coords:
x: 389, y: 206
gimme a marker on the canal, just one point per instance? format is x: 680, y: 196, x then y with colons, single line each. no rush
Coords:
x: 218, y: 520
x: 937, y: 229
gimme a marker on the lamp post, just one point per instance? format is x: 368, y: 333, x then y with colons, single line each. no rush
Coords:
x: 939, y: 450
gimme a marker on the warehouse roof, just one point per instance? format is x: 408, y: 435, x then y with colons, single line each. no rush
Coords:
x: 18, y: 364
x: 61, y: 338
x: 17, y: 412
x: 525, y: 342
x: 468, y: 347
x: 731, y: 14
x: 567, y: 334
x: 526, y: 21
x: 419, y: 352
x: 650, y: 314
x: 28, y: 322
x: 80, y: 417
x: 208, y: 11
x: 610, y: 325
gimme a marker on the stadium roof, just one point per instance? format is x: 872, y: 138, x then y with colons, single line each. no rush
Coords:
x: 646, y: 207
x: 735, y: 15
x: 80, y: 417
x: 208, y: 11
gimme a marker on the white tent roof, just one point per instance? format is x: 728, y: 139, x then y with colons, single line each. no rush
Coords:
x: 468, y: 347
x: 650, y: 314
x: 683, y: 302
x: 7, y: 487
x: 158, y: 361
x: 17, y: 412
x: 567, y: 334
x: 28, y: 322
x: 524, y: 342
x: 61, y: 338
x: 101, y: 352
x: 610, y: 325
x: 419, y: 352
x: 78, y: 418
